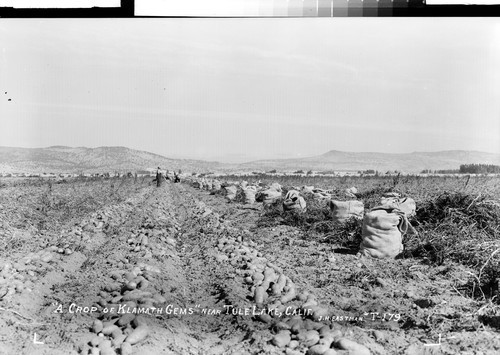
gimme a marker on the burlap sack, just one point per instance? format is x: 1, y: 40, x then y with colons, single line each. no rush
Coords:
x: 293, y: 201
x: 268, y: 197
x: 275, y: 186
x: 230, y: 192
x: 307, y: 189
x: 216, y: 185
x: 406, y: 204
x: 392, y: 194
x: 343, y: 210
x: 321, y: 194
x: 383, y: 228
x: 248, y: 196
x: 351, y: 191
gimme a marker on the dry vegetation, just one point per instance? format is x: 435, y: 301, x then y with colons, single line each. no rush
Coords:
x: 458, y: 219
x: 446, y: 281
x: 45, y: 206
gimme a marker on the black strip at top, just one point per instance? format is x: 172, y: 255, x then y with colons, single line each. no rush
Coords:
x: 384, y: 8
x: 126, y: 9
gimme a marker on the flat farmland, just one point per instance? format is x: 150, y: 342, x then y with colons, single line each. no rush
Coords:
x: 121, y: 266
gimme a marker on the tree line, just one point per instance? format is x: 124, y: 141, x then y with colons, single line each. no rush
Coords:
x: 479, y: 169
x: 467, y: 169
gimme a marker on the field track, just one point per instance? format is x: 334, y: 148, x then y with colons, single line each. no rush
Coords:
x: 193, y: 262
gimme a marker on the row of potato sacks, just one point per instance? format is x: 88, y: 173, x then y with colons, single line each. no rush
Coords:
x: 269, y: 195
x: 249, y: 194
x: 383, y: 226
x: 273, y: 194
x: 326, y: 195
x: 293, y: 201
x: 211, y: 185
x: 232, y: 191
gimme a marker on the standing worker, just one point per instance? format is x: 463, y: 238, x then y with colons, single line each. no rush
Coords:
x: 159, y: 177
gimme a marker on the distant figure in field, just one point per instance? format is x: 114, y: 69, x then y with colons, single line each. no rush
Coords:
x: 159, y: 177
x: 176, y: 177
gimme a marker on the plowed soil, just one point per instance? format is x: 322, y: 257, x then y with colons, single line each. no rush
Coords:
x: 191, y: 276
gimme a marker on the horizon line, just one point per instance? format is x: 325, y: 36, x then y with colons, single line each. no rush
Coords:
x: 300, y: 157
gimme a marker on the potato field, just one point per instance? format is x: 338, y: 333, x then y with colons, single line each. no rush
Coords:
x: 248, y: 265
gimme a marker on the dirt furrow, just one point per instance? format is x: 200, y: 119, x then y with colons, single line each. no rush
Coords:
x: 63, y: 281
x: 157, y: 281
x: 174, y: 270
x: 207, y: 284
x: 376, y: 303
x: 261, y: 317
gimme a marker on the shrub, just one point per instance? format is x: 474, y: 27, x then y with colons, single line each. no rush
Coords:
x: 464, y: 228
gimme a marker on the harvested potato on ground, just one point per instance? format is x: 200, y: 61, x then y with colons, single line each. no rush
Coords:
x: 126, y: 319
x: 260, y: 295
x: 126, y: 349
x: 317, y: 350
x: 278, y: 286
x: 139, y: 334
x: 311, y: 338
x: 352, y: 346
x: 97, y: 326
x: 290, y: 294
x: 282, y: 338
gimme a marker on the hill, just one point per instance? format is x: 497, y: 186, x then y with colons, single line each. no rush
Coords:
x: 349, y: 161
x: 121, y: 159
x: 90, y: 160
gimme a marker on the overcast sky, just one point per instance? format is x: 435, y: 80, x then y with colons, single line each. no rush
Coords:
x: 241, y: 89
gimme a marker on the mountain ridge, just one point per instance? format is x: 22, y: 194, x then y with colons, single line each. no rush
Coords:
x: 99, y: 159
x: 413, y: 162
x: 66, y: 159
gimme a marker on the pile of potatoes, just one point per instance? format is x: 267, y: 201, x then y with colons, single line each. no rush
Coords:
x: 65, y: 249
x: 19, y: 276
x: 98, y: 220
x: 92, y: 225
x: 71, y: 238
x: 297, y: 336
x: 138, y: 243
x: 273, y: 290
x: 213, y: 220
x: 128, y: 287
x: 43, y: 256
x: 142, y: 239
x: 268, y: 284
x: 118, y: 333
x: 79, y: 234
x: 163, y: 250
x: 115, y: 330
